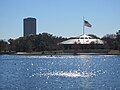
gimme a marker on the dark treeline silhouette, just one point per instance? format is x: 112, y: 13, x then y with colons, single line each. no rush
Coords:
x: 41, y: 42
x: 3, y: 45
x: 48, y: 42
x: 112, y: 41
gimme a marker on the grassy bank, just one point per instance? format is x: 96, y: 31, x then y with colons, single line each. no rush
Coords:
x: 114, y: 52
x: 110, y: 52
x: 62, y: 52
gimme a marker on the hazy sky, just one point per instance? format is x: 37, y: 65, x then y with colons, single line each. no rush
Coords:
x: 60, y: 17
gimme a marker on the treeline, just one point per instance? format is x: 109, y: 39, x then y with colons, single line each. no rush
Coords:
x: 112, y: 41
x: 48, y: 42
x: 41, y: 42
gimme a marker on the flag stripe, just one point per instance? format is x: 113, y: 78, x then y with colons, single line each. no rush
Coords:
x: 86, y: 23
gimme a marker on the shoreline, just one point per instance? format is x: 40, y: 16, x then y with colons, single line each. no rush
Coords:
x: 60, y: 52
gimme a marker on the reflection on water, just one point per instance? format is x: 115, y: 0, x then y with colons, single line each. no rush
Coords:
x: 74, y: 74
x: 59, y: 72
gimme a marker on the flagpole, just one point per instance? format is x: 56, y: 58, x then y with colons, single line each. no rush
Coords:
x: 83, y: 29
x: 83, y: 26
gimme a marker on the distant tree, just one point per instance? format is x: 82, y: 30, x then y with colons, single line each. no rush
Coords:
x: 41, y: 42
x: 118, y: 33
x: 92, y: 45
x: 112, y: 36
x: 3, y: 45
x: 20, y: 44
x: 118, y: 39
x: 110, y: 40
x: 94, y: 36
x: 11, y: 45
x: 75, y: 47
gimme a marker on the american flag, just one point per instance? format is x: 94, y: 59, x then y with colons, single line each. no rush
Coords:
x: 86, y: 23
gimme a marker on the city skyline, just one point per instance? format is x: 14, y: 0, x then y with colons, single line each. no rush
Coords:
x: 60, y: 18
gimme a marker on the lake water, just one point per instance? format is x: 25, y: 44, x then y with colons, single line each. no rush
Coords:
x: 60, y: 72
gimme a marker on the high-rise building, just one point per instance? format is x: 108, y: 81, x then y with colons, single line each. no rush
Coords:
x: 29, y: 26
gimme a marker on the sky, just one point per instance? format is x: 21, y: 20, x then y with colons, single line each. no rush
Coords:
x: 60, y: 17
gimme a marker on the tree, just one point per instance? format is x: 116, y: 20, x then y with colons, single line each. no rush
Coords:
x: 110, y: 40
x: 75, y: 47
x: 11, y: 45
x: 94, y: 36
x: 118, y: 39
x: 41, y: 42
x: 3, y: 46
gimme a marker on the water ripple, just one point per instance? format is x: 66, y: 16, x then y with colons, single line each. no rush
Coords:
x: 74, y: 74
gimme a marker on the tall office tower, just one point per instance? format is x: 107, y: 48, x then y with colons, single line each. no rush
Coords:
x: 29, y: 26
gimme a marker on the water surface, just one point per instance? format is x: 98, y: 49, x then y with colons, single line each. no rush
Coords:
x: 60, y: 72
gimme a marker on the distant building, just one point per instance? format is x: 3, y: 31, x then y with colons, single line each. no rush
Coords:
x: 84, y: 39
x: 29, y: 26
x: 83, y: 42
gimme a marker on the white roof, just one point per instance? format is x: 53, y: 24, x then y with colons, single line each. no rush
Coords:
x: 84, y: 39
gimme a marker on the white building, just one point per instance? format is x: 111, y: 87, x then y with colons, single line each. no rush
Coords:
x: 84, y: 39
